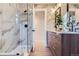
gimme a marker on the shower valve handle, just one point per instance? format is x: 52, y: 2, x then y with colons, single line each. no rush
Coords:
x: 25, y: 25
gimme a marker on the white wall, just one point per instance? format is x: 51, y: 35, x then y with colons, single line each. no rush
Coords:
x: 50, y: 21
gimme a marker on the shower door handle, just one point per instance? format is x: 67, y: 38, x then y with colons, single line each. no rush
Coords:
x: 33, y: 30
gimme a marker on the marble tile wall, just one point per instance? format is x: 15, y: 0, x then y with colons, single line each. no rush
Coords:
x: 9, y: 34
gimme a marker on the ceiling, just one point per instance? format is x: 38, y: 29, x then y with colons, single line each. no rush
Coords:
x: 52, y: 5
x: 76, y: 5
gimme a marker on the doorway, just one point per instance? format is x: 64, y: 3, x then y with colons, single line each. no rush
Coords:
x: 39, y: 35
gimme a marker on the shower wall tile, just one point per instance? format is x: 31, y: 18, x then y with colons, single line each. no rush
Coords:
x: 10, y: 40
x: 7, y: 26
x: 9, y: 34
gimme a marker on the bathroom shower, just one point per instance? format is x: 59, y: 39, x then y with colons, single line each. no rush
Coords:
x: 15, y: 27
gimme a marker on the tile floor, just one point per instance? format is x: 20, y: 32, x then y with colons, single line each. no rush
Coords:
x: 40, y: 49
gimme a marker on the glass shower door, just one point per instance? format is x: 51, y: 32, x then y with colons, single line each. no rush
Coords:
x: 26, y: 20
x: 30, y: 28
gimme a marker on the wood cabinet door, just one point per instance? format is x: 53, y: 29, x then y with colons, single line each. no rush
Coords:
x: 75, y: 45
x: 66, y: 44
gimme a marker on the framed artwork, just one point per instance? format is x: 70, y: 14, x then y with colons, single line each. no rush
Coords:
x: 58, y: 20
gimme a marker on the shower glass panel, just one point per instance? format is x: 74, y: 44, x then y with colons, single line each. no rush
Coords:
x: 16, y: 29
x: 26, y: 19
x: 30, y: 28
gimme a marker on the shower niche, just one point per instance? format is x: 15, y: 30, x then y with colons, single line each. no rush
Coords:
x: 16, y: 29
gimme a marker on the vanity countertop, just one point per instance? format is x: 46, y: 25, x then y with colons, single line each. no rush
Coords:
x: 68, y: 32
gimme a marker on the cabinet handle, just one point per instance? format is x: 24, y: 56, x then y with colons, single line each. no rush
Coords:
x: 33, y: 30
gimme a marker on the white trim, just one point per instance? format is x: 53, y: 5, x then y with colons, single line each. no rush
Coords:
x: 46, y: 26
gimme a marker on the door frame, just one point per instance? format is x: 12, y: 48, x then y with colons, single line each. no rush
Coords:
x: 45, y: 20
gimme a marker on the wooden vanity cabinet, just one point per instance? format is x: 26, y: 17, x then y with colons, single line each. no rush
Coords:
x: 63, y: 44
